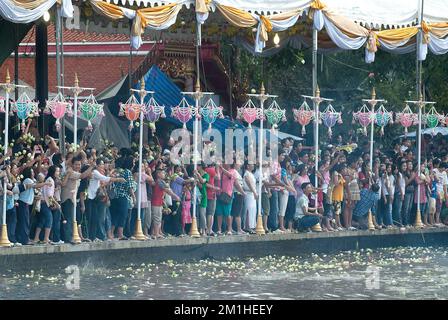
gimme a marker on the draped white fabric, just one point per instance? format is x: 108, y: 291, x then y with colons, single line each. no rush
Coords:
x: 318, y: 20
x: 14, y: 13
x: 277, y: 26
x: 438, y: 46
x: 340, y: 39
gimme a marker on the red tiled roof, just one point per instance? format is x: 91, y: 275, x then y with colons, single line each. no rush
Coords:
x: 74, y: 35
x: 93, y: 71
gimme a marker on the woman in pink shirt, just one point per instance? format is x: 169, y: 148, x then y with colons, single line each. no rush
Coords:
x: 301, y: 178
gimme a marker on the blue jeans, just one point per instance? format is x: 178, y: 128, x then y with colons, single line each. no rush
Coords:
x: 385, y: 212
x: 273, y: 213
x: 11, y: 221
x: 307, y: 222
x: 56, y: 228
x: 97, y: 220
x: 396, y: 212
x: 67, y: 210
x: 23, y: 223
x: 108, y: 221
x: 407, y: 207
x: 45, y: 217
x: 119, y: 212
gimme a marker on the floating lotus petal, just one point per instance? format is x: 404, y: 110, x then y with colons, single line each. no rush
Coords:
x: 89, y: 109
x: 303, y: 116
x: 58, y: 107
x: 210, y: 112
x: 25, y: 108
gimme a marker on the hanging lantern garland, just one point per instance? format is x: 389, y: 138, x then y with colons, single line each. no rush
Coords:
x: 183, y: 112
x: 303, y: 116
x: 153, y: 112
x: 2, y: 104
x: 275, y: 115
x: 382, y: 118
x: 58, y: 107
x: 330, y: 117
x: 89, y: 109
x: 131, y: 109
x: 364, y: 116
x: 25, y: 108
x: 210, y: 112
x: 406, y: 118
x: 432, y: 119
x: 249, y: 113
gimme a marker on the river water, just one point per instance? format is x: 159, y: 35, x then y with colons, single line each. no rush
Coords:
x: 391, y: 273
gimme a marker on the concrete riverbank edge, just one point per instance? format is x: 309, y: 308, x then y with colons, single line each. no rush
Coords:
x: 184, y: 249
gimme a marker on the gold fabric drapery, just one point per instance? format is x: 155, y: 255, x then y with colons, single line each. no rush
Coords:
x: 29, y: 4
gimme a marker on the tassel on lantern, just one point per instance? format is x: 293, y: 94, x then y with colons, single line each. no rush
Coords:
x: 89, y: 126
x: 330, y: 132
x: 303, y: 130
x: 58, y: 125
x: 405, y: 131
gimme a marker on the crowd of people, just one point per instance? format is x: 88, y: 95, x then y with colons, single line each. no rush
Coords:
x: 46, y: 189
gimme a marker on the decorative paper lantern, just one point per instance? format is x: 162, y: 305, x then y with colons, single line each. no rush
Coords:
x: 2, y: 104
x: 303, y: 116
x: 25, y: 108
x: 153, y: 111
x: 89, y: 109
x: 407, y: 118
x: 432, y: 118
x: 275, y: 115
x: 382, y: 118
x: 58, y: 107
x: 131, y: 109
x: 364, y: 117
x: 249, y: 113
x: 210, y: 112
x: 183, y: 112
x: 330, y: 117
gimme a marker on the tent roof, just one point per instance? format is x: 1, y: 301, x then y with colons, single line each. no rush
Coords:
x: 377, y: 13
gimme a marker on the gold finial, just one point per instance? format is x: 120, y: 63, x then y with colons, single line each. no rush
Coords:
x: 420, y: 96
x: 8, y: 78
x: 317, y: 91
x: 76, y: 80
x: 142, y: 84
x: 197, y: 87
x: 262, y: 89
x: 373, y: 93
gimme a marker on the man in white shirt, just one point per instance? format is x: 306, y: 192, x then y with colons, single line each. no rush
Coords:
x: 305, y: 217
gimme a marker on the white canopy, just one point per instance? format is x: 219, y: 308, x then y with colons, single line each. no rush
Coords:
x: 433, y: 131
x: 378, y: 13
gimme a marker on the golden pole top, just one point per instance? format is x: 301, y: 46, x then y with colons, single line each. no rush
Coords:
x: 8, y: 78
x: 197, y: 87
x: 373, y: 93
x: 262, y: 89
x: 317, y: 93
x: 142, y: 84
x: 76, y: 80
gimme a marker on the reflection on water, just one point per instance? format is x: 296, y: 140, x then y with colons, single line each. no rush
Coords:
x: 392, y: 273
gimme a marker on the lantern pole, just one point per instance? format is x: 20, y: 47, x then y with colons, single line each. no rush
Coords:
x: 76, y: 90
x: 9, y: 87
x: 420, y: 104
x: 138, y: 235
x: 317, y: 100
x: 373, y: 101
x: 262, y: 96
